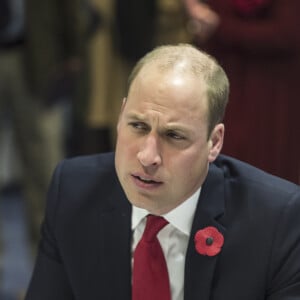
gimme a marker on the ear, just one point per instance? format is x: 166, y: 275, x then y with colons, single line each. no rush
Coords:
x: 216, y: 142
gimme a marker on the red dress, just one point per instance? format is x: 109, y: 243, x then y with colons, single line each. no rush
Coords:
x: 261, y: 54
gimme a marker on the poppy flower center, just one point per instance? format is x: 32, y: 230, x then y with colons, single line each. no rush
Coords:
x: 209, y: 241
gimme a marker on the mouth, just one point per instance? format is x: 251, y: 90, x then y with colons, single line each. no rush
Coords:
x: 145, y: 181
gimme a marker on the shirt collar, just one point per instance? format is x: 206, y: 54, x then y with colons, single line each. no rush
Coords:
x: 180, y: 217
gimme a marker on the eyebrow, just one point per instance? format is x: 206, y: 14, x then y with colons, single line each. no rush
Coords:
x: 137, y: 116
x: 168, y: 127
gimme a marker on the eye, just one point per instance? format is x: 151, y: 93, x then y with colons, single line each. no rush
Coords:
x: 175, y: 136
x: 139, y: 126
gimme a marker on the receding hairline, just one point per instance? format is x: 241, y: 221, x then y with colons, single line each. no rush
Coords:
x: 183, y: 58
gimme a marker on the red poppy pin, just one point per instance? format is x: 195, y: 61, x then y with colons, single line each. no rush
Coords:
x: 209, y: 241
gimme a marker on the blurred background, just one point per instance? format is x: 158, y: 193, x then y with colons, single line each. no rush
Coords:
x: 63, y: 74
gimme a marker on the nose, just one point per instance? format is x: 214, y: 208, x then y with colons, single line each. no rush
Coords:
x: 149, y: 155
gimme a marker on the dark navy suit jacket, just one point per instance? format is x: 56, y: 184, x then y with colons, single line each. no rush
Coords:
x: 85, y: 251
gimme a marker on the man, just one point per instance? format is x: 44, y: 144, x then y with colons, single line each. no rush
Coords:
x: 232, y: 232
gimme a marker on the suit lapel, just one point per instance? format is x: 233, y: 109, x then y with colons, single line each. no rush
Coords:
x: 199, y: 269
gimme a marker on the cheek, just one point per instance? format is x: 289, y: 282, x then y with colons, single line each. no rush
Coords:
x: 125, y: 136
x: 181, y: 167
x: 122, y: 140
x: 126, y: 147
x: 121, y: 149
x: 194, y: 167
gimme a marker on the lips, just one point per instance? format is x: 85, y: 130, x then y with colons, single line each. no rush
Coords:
x: 145, y: 181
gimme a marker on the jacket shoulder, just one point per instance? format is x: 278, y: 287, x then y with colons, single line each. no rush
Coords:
x: 84, y: 181
x: 248, y: 176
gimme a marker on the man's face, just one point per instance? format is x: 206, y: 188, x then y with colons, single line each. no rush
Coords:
x: 163, y: 150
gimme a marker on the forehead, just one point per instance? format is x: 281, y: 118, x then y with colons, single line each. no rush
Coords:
x: 171, y: 88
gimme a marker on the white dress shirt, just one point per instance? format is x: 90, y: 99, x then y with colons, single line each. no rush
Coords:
x: 173, y: 238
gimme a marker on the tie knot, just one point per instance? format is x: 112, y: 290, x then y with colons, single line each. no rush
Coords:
x: 153, y: 226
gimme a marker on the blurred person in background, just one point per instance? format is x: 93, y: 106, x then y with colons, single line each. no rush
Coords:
x: 41, y: 50
x: 92, y: 126
x: 258, y: 44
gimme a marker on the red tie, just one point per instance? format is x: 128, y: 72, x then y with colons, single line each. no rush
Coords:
x: 150, y: 279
